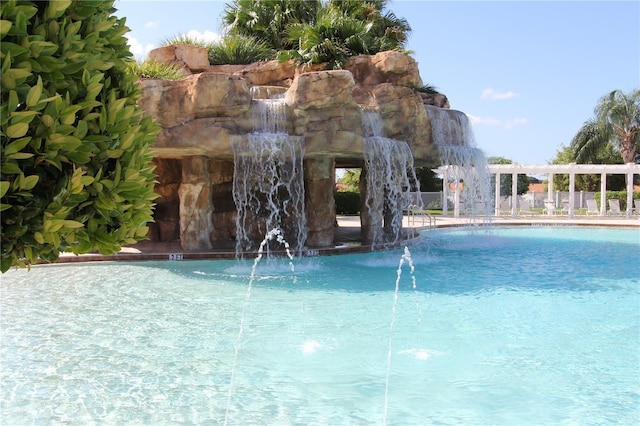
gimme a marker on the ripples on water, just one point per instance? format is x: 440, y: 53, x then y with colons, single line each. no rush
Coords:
x: 513, y: 326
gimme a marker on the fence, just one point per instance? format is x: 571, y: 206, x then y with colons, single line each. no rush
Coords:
x: 560, y: 198
x: 434, y: 200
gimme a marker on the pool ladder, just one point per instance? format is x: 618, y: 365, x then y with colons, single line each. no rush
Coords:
x: 412, y: 213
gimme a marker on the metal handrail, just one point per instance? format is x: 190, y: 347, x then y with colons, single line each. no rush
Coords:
x: 411, y: 213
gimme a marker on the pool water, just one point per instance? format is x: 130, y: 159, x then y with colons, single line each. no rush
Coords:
x: 526, y: 325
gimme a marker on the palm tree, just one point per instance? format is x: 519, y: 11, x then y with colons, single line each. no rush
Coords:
x: 617, y: 120
x: 386, y: 31
x: 316, y: 31
x: 333, y: 37
x: 267, y: 19
x: 345, y: 28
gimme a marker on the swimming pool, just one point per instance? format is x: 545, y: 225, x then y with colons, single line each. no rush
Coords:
x: 525, y: 325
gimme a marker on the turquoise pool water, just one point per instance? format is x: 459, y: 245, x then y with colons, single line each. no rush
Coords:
x: 526, y: 325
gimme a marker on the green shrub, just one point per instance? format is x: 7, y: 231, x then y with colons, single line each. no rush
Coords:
x: 238, y: 50
x: 347, y: 202
x: 150, y: 69
x: 183, y: 39
x: 617, y: 195
x: 75, y: 170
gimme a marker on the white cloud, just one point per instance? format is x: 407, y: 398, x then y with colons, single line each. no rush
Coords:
x: 496, y: 95
x: 139, y: 51
x: 509, y: 124
x: 489, y: 121
x: 496, y: 122
x: 207, y: 36
x: 152, y: 24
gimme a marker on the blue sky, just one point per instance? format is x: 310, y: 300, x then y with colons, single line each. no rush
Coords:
x: 528, y: 73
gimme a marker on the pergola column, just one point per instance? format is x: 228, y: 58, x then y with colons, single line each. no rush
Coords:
x: 603, y: 194
x: 572, y: 191
x: 514, y: 194
x: 456, y: 199
x: 549, y: 199
x: 498, y: 196
x: 445, y: 193
x: 629, y: 194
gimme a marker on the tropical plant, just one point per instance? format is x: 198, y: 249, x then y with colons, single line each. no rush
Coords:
x: 151, y: 69
x: 332, y: 38
x: 75, y: 169
x: 239, y: 49
x: 314, y: 32
x: 267, y: 19
x: 385, y: 30
x: 345, y: 28
x: 183, y: 39
x: 617, y: 120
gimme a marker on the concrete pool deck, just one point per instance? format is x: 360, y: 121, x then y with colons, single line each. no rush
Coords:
x: 348, y: 237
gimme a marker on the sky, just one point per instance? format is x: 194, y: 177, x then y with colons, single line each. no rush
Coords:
x: 527, y: 73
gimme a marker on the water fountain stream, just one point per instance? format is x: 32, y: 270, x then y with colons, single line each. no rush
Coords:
x: 406, y: 257
x: 270, y: 236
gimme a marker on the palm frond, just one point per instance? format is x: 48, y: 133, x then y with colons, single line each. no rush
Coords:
x: 591, y: 137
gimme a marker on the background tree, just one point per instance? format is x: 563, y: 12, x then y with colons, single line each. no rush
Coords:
x: 617, y: 120
x: 429, y: 181
x: 75, y: 168
x: 506, y: 179
x: 607, y: 154
x: 350, y: 181
x: 564, y: 155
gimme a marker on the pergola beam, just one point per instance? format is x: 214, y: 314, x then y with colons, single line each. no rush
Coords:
x: 515, y: 169
x: 565, y: 169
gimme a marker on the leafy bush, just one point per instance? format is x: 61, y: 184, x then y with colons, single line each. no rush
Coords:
x: 75, y: 169
x: 347, y: 202
x: 238, y: 50
x: 150, y: 69
x: 616, y: 195
x: 183, y: 39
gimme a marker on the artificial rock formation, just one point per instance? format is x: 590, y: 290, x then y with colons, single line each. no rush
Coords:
x: 204, y: 113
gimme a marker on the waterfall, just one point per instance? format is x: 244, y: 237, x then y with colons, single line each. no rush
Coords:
x: 389, y: 177
x: 268, y: 181
x: 268, y: 115
x: 450, y: 127
x: 465, y: 164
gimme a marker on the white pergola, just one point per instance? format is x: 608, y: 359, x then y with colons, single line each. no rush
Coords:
x: 515, y: 169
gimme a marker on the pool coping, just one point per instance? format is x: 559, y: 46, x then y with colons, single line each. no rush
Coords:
x: 148, y: 251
